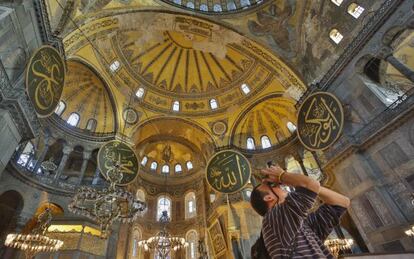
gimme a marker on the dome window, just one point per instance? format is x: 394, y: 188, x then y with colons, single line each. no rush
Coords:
x: 176, y: 106
x: 177, y: 2
x: 291, y: 127
x: 217, y: 8
x: 265, y: 142
x: 144, y: 161
x: 189, y: 165
x: 114, y: 66
x: 336, y: 36
x: 190, y: 5
x: 178, y: 168
x: 245, y: 88
x: 337, y: 2
x: 73, y: 119
x: 91, y: 125
x: 204, y: 8
x: 213, y: 104
x: 165, y: 169
x: 60, y: 108
x: 154, y: 166
x: 231, y: 6
x: 355, y: 10
x: 250, y: 143
x: 140, y: 93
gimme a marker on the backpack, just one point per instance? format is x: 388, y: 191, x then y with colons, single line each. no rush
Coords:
x: 259, y: 251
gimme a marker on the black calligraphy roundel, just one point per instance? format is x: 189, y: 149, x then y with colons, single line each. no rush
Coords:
x: 45, y: 78
x: 228, y: 171
x: 118, y: 154
x: 320, y: 121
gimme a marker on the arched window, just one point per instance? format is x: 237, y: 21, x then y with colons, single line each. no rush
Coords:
x: 154, y: 166
x: 192, y: 239
x: 387, y: 95
x: 176, y: 106
x: 245, y: 88
x: 144, y: 161
x: 189, y: 165
x: 204, y: 8
x: 231, y: 6
x: 140, y: 92
x: 60, y: 108
x: 244, y: 3
x: 337, y: 2
x: 26, y: 156
x: 190, y: 205
x: 265, y: 142
x: 291, y: 127
x: 213, y: 104
x: 250, y: 143
x: 165, y: 169
x: 140, y: 195
x: 177, y: 2
x: 136, y: 237
x: 336, y: 36
x: 212, y: 197
x: 91, y: 125
x: 355, y: 10
x: 178, y: 168
x: 163, y: 204
x: 73, y: 119
x: 114, y: 66
x: 217, y: 8
x: 190, y: 5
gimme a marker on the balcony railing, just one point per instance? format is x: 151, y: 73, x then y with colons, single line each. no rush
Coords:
x: 403, y: 105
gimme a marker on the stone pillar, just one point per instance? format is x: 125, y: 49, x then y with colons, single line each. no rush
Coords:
x: 42, y: 156
x: 66, y: 151
x: 86, y: 157
x: 9, y: 140
x: 97, y: 177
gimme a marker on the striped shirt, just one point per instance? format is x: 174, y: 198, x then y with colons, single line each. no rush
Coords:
x: 290, y: 221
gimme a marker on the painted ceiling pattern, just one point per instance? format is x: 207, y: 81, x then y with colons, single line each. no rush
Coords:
x: 85, y: 93
x: 176, y: 58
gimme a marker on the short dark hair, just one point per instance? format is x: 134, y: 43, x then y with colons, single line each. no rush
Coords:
x: 257, y: 202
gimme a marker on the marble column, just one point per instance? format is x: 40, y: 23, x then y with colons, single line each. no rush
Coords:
x: 86, y: 157
x: 10, y: 138
x: 66, y: 151
x: 97, y: 177
x: 42, y: 156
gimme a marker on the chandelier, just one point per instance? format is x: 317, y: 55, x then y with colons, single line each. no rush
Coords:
x: 162, y: 243
x: 337, y: 245
x: 36, y: 241
x: 107, y: 205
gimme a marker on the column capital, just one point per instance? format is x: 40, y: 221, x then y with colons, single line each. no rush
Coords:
x: 67, y: 149
x: 86, y: 154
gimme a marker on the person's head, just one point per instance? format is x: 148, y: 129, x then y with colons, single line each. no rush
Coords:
x: 264, y: 197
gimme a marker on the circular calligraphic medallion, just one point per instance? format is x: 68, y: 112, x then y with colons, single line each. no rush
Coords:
x: 130, y: 116
x: 118, y: 155
x: 228, y: 171
x: 320, y: 121
x: 45, y: 78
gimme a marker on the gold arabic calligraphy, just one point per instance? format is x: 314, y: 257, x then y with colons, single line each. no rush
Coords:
x: 227, y: 173
x: 321, y: 123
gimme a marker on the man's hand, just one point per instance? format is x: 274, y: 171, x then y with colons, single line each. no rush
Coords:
x: 295, y: 180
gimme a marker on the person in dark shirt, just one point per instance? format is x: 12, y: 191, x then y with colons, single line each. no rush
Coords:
x: 289, y: 229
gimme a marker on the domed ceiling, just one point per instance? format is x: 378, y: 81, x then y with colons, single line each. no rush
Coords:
x: 86, y: 94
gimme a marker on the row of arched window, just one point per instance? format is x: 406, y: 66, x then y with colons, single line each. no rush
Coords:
x: 164, y: 203
x: 176, y: 104
x: 354, y: 10
x: 166, y: 168
x: 74, y: 118
x: 230, y: 5
x: 265, y: 140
